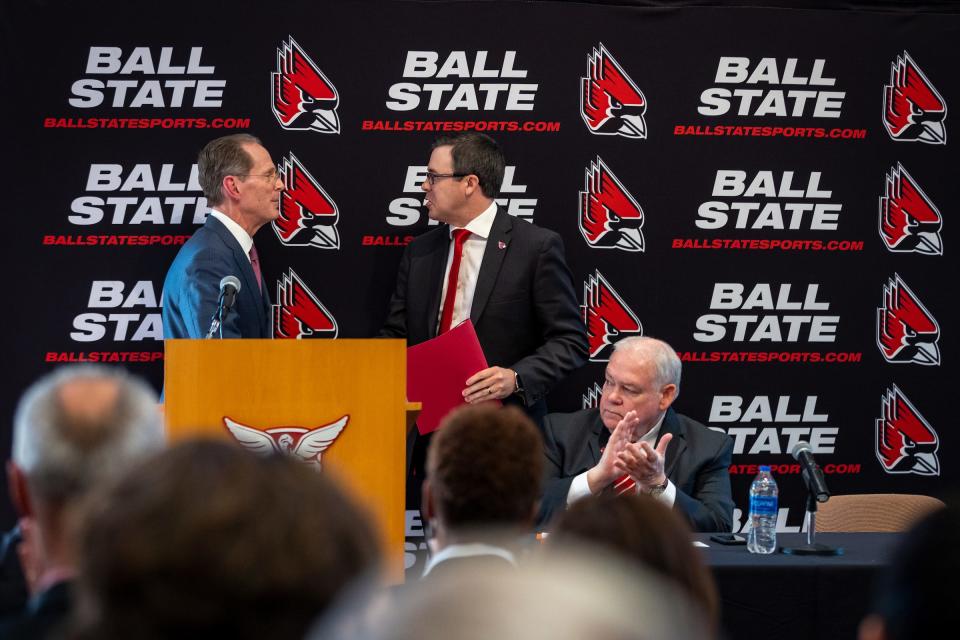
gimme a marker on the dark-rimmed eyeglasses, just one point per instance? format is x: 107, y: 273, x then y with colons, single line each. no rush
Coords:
x: 433, y: 177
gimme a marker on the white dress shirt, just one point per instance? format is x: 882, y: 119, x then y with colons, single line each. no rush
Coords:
x: 468, y: 551
x: 470, y: 259
x: 580, y: 488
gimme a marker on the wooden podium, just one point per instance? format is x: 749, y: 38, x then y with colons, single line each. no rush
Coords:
x: 284, y: 389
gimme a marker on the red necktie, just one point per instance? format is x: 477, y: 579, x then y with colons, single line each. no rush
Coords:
x: 255, y: 263
x: 459, y: 237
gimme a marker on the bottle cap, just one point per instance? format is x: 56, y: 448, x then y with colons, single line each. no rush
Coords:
x: 765, y: 467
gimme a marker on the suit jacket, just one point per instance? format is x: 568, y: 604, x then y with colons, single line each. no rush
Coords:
x: 524, y: 307
x: 697, y: 462
x: 45, y: 614
x: 191, y: 290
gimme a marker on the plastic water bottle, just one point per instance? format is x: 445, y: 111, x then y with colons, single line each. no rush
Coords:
x: 763, y: 513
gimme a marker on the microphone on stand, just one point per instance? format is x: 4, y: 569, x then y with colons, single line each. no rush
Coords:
x: 802, y: 452
x: 229, y: 287
x: 817, y: 491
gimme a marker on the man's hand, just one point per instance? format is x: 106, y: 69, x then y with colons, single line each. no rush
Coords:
x: 606, y: 472
x: 493, y: 383
x: 643, y: 463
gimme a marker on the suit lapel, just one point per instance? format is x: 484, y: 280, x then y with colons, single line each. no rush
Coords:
x: 497, y: 246
x: 596, y: 432
x: 248, y: 280
x: 432, y: 267
x: 671, y: 424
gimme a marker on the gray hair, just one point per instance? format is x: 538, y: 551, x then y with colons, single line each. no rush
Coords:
x: 666, y: 362
x: 223, y: 157
x: 63, y: 451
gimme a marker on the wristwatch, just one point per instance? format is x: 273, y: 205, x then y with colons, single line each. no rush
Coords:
x: 656, y: 490
x: 517, y: 388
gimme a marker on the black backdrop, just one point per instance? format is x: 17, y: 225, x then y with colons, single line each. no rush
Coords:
x: 105, y: 108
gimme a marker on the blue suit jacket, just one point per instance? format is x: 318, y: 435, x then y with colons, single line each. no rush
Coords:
x: 192, y: 288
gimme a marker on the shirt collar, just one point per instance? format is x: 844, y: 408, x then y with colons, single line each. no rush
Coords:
x: 246, y: 242
x: 468, y: 551
x: 481, y: 225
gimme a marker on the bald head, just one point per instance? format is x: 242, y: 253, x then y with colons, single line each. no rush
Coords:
x: 79, y: 424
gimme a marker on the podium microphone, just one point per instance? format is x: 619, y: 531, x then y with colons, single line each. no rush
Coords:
x: 229, y: 287
x: 802, y: 452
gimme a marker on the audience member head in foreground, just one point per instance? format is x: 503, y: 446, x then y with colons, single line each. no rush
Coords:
x: 569, y: 598
x: 73, y: 429
x: 484, y: 470
x: 916, y: 597
x: 208, y: 536
x: 642, y: 529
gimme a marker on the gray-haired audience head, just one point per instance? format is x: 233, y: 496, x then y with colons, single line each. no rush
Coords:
x: 80, y: 424
x: 573, y: 597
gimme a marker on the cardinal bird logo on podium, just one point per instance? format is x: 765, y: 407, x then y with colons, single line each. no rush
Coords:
x: 308, y: 215
x: 610, y: 217
x: 610, y: 102
x: 909, y: 221
x: 913, y: 109
x: 303, y: 98
x: 906, y: 443
x: 906, y: 331
x: 298, y: 313
x: 607, y: 317
x: 306, y: 445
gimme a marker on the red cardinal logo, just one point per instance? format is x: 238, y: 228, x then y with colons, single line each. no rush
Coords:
x: 298, y: 313
x: 610, y: 218
x: 303, y: 98
x: 906, y: 443
x: 906, y: 332
x: 913, y: 109
x: 909, y: 221
x: 591, y: 399
x: 606, y: 316
x: 610, y: 103
x: 308, y: 216
x: 304, y: 444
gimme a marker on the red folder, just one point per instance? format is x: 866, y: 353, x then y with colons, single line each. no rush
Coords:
x: 437, y: 371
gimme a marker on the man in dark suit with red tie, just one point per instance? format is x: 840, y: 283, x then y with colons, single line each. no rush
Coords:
x: 507, y: 276
x: 241, y: 184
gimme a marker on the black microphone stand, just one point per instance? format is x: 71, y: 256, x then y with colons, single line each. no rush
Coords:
x: 812, y: 548
x: 216, y: 322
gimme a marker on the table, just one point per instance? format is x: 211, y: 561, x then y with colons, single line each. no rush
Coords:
x: 780, y: 597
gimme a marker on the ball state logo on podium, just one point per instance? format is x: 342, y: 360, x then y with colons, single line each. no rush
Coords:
x: 610, y: 102
x: 906, y: 443
x: 610, y: 217
x: 298, y: 313
x: 906, y: 331
x: 308, y: 215
x: 913, y: 109
x: 909, y: 221
x: 304, y: 99
x: 606, y: 316
x: 306, y: 445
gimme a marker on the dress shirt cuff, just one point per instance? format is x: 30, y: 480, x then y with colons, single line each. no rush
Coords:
x: 669, y: 494
x: 579, y: 488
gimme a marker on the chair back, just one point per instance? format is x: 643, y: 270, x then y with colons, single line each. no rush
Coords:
x: 874, y: 512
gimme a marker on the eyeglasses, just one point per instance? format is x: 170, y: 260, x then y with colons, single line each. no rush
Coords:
x: 433, y: 177
x: 272, y: 176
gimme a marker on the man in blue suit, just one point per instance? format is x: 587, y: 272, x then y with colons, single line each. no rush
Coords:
x: 242, y: 187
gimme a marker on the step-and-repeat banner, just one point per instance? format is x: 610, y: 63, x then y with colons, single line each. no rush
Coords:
x: 768, y: 190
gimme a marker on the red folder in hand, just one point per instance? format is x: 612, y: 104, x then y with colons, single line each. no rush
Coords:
x: 437, y: 371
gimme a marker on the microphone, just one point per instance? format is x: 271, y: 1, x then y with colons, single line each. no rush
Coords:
x: 229, y: 288
x: 802, y: 452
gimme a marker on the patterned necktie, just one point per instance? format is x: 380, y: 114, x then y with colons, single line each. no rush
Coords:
x: 459, y: 238
x: 255, y: 263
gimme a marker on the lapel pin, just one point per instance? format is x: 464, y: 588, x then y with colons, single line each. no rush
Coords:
x: 502, y: 245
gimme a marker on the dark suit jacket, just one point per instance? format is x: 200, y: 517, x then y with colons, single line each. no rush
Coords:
x: 45, y: 614
x: 192, y: 288
x: 524, y: 307
x: 697, y: 462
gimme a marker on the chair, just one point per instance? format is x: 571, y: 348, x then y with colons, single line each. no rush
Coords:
x: 874, y: 512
